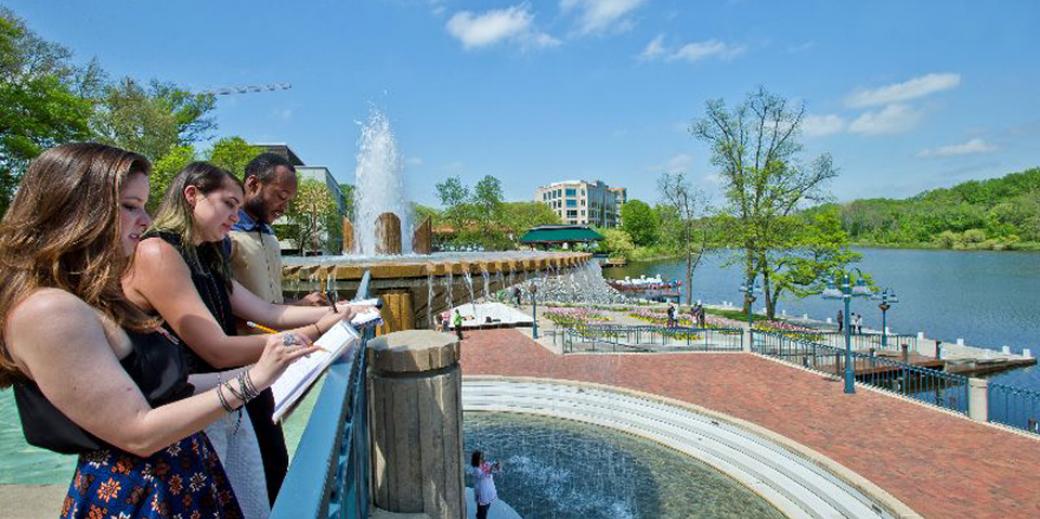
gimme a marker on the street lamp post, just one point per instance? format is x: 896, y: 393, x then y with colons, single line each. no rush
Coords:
x: 533, y: 289
x: 749, y: 290
x: 846, y: 293
x: 887, y: 298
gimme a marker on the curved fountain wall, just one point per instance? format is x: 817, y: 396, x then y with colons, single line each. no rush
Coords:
x: 797, y: 486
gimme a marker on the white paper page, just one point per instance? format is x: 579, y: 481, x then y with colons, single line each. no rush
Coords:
x: 301, y: 374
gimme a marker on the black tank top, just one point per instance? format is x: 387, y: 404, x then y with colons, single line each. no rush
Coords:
x: 155, y: 364
x: 212, y: 288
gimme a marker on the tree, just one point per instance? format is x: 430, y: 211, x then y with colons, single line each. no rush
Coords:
x: 151, y: 121
x: 233, y: 154
x: 348, y: 200
x: 617, y: 243
x: 641, y: 222
x: 517, y: 217
x: 818, y: 248
x: 687, y: 205
x: 163, y: 172
x: 310, y: 214
x: 756, y: 150
x: 43, y: 99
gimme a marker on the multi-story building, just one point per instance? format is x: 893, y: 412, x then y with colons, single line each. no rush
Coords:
x: 579, y: 202
x: 620, y: 197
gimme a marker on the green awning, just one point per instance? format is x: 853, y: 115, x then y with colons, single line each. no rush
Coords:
x: 560, y: 234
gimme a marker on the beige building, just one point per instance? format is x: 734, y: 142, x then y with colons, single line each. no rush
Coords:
x: 579, y: 202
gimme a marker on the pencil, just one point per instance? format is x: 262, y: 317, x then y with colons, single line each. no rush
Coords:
x: 265, y: 329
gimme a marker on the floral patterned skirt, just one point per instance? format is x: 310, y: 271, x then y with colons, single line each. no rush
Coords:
x: 184, y: 480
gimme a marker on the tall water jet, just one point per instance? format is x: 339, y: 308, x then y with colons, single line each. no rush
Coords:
x: 380, y: 186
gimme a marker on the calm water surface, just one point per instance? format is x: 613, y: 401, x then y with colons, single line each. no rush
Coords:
x: 989, y: 299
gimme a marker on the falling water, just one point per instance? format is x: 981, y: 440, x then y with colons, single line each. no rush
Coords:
x: 469, y: 286
x: 511, y: 271
x: 429, y: 300
x: 449, y: 285
x: 487, y: 281
x: 379, y: 186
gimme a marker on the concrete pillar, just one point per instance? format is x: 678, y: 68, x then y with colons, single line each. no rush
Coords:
x: 398, y: 312
x: 388, y: 234
x: 415, y: 417
x: 422, y: 239
x: 978, y: 401
x: 746, y: 346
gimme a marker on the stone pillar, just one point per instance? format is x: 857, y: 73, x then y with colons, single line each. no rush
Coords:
x: 978, y: 399
x: 415, y: 420
x: 398, y: 312
x: 422, y: 239
x: 746, y: 342
x: 348, y: 236
x: 388, y: 234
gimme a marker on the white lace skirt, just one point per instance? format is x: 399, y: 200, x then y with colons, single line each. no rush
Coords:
x: 240, y: 454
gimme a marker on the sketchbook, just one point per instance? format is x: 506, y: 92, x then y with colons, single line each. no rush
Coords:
x: 341, y: 339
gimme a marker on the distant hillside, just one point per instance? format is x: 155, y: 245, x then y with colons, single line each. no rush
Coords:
x: 997, y: 214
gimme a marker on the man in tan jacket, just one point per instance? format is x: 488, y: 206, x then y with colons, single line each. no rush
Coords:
x: 256, y: 263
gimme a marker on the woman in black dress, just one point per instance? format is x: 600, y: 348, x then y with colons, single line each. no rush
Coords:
x: 92, y: 374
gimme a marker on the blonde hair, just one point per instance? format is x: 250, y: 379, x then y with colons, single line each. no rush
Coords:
x: 175, y: 215
x: 62, y: 231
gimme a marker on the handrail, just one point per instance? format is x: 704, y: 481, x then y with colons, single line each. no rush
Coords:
x: 939, y: 388
x: 328, y: 476
x: 649, y: 338
x: 1014, y: 406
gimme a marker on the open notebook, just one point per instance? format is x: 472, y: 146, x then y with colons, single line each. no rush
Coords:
x: 300, y: 375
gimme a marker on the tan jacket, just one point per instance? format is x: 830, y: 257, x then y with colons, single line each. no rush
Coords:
x: 256, y: 263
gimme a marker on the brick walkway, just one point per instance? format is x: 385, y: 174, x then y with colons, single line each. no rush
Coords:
x: 939, y: 465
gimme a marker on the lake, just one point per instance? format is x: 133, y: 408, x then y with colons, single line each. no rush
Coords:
x: 990, y: 299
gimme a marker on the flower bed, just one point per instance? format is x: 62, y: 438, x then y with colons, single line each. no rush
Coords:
x: 572, y: 317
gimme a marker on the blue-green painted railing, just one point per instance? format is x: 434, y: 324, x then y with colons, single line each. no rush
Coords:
x: 645, y: 338
x: 860, y: 341
x: 935, y: 387
x: 1014, y: 406
x: 328, y: 477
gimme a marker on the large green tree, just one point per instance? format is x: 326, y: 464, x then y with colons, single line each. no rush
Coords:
x: 641, y: 222
x: 756, y: 150
x: 44, y: 99
x: 233, y: 154
x: 152, y: 119
x: 689, y: 232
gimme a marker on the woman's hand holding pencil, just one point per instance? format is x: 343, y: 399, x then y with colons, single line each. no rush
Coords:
x: 272, y: 331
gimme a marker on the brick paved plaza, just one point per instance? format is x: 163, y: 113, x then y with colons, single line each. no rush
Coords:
x: 939, y: 464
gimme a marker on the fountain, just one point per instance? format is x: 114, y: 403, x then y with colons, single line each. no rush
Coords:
x: 415, y: 283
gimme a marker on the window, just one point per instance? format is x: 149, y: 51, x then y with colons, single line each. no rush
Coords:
x: 572, y: 202
x: 583, y: 212
x: 572, y: 192
x: 572, y: 213
x: 583, y: 202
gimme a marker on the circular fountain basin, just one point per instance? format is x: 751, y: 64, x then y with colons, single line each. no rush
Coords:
x: 792, y: 479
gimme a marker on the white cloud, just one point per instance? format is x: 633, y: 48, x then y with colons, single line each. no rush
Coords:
x: 905, y: 91
x: 491, y: 27
x: 679, y: 163
x: 654, y: 49
x: 596, y: 16
x: 821, y: 125
x: 971, y: 147
x: 894, y: 118
x: 697, y: 51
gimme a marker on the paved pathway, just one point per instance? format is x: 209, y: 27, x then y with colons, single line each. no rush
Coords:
x: 939, y: 465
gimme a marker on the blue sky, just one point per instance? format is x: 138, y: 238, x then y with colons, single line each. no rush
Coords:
x: 905, y: 95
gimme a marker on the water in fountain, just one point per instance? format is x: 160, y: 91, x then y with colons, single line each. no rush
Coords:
x: 511, y: 271
x: 469, y: 286
x: 429, y: 300
x: 487, y: 281
x: 449, y: 285
x: 379, y: 186
x: 586, y: 285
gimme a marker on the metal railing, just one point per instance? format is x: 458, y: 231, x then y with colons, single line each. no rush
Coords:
x: 645, y: 338
x: 329, y: 475
x: 1014, y: 406
x: 932, y: 386
x: 860, y: 341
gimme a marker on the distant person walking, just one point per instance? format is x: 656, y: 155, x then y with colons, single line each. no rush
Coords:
x: 701, y: 318
x: 457, y: 322
x: 671, y: 315
x: 483, y: 474
x: 841, y: 321
x: 516, y: 295
x: 857, y: 322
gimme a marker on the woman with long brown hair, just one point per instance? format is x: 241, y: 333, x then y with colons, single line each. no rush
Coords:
x: 92, y: 374
x: 181, y: 272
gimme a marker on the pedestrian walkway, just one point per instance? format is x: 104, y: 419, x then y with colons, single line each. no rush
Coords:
x: 939, y: 464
